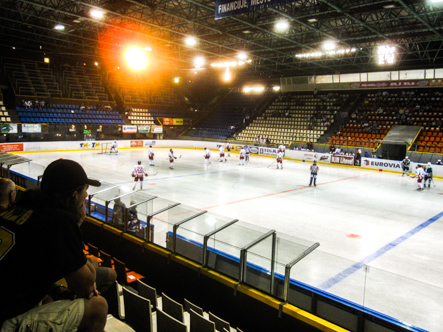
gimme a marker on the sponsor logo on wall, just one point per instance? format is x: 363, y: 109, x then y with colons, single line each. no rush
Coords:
x: 382, y: 164
x: 130, y: 129
x: 11, y: 147
x: 136, y: 144
x: 148, y: 143
x: 89, y: 145
x: 267, y: 151
x: 345, y: 160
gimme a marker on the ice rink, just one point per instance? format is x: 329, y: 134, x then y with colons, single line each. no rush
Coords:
x: 380, y: 239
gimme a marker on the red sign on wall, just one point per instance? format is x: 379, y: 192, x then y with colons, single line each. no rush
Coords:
x: 11, y: 147
x: 136, y: 144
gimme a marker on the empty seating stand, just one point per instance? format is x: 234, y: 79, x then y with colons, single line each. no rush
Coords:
x: 69, y: 114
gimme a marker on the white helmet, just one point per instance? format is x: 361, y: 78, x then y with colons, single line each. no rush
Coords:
x: 429, y: 163
x: 407, y: 157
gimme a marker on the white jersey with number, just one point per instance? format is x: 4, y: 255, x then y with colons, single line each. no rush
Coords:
x: 242, y: 153
x: 139, y: 171
x: 279, y: 155
x: 207, y: 153
x: 282, y: 148
x: 150, y: 151
x: 228, y: 146
x: 222, y: 149
x: 114, y: 145
x: 171, y: 155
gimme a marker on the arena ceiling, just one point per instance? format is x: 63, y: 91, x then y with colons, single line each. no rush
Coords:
x: 413, y: 26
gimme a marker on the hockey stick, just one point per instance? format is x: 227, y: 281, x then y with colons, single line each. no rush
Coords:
x: 180, y: 157
x: 272, y: 164
x: 154, y: 173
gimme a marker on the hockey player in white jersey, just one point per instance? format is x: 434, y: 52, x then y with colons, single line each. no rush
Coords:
x: 282, y: 148
x: 171, y: 159
x: 248, y: 151
x: 114, y: 147
x: 137, y: 173
x: 242, y: 156
x: 222, y: 153
x: 151, y: 156
x: 229, y: 147
x: 280, y: 159
x: 420, y: 175
x: 207, y: 156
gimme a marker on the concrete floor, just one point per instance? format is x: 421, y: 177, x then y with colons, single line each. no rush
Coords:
x: 380, y: 239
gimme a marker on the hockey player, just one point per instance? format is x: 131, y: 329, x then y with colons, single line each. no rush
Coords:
x: 439, y: 162
x: 207, y: 156
x: 314, y: 170
x: 405, y: 163
x: 248, y: 151
x: 229, y: 147
x: 280, y: 158
x: 420, y: 174
x: 222, y: 153
x: 114, y: 147
x: 171, y: 159
x: 151, y: 156
x: 428, y: 175
x: 282, y: 148
x: 242, y: 156
x: 137, y: 173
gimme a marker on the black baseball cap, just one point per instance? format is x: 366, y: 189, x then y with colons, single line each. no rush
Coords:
x: 64, y: 175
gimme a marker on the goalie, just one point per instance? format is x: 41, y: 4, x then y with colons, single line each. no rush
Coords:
x: 137, y: 173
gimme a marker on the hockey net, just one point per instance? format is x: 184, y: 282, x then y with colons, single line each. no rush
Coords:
x: 105, y: 147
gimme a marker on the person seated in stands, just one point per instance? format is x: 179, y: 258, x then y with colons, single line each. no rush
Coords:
x: 262, y: 140
x: 267, y: 140
x: 45, y: 224
x: 367, y: 154
x: 42, y: 103
x: 28, y: 104
x: 8, y: 194
x: 134, y: 224
x: 119, y: 212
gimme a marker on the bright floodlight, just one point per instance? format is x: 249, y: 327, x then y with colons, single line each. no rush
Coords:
x: 190, y: 41
x: 329, y: 45
x: 136, y: 58
x: 227, y: 75
x: 199, y: 61
x: 282, y: 26
x: 176, y: 79
x: 242, y: 55
x: 59, y: 27
x: 276, y: 88
x: 385, y: 54
x: 97, y: 14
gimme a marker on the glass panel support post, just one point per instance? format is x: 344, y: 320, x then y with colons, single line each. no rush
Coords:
x: 291, y: 264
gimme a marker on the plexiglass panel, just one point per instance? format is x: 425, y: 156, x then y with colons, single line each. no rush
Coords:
x: 403, y: 304
x: 195, y: 230
x: 29, y: 169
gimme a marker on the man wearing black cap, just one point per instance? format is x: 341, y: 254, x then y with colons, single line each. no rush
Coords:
x: 41, y: 243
